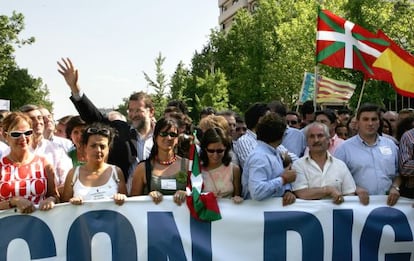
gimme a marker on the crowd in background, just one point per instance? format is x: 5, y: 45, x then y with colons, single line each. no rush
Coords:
x: 266, y: 151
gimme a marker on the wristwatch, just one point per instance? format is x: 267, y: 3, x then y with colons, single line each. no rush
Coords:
x: 396, y: 187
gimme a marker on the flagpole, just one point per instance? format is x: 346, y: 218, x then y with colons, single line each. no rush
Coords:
x: 316, y: 87
x: 360, y: 95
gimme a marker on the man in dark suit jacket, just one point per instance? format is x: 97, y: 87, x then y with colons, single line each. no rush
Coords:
x: 132, y: 143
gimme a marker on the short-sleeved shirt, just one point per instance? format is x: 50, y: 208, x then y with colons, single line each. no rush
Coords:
x: 373, y: 166
x: 335, y: 174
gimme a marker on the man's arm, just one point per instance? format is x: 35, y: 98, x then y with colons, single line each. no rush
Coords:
x: 259, y: 184
x: 87, y: 110
x: 406, y: 154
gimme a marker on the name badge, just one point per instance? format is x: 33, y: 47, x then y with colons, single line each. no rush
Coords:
x: 168, y: 184
x: 385, y: 150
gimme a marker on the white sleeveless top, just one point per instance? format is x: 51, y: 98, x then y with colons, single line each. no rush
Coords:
x: 105, y: 191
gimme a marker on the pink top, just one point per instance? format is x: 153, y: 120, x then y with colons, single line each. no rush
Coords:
x: 219, y: 181
x: 335, y: 143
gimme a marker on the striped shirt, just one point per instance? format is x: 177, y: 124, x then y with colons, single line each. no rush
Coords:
x: 406, y: 158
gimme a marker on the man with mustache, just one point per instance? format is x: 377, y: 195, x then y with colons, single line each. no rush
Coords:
x: 319, y: 174
x: 132, y: 143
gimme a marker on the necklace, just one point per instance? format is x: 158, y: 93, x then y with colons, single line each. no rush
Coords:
x: 168, y: 162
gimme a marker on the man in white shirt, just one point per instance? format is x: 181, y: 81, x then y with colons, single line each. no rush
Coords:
x: 54, y: 154
x: 49, y: 131
x: 319, y: 174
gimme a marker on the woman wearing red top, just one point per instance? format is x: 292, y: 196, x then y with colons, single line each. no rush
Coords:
x: 25, y: 178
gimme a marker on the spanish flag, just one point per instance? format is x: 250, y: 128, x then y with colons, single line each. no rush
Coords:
x: 395, y: 66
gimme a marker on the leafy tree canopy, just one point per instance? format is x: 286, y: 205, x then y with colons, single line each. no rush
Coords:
x: 17, y: 84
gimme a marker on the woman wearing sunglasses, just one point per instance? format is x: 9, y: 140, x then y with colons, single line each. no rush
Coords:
x: 220, y: 175
x: 26, y: 179
x: 95, y: 179
x: 163, y: 173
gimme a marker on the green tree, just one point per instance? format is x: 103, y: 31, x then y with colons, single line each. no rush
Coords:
x: 179, y: 82
x: 264, y: 54
x: 123, y: 107
x: 16, y: 84
x: 10, y: 28
x: 212, y: 91
x: 160, y: 85
x: 21, y: 88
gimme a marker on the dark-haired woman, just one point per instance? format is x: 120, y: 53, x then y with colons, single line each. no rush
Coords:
x: 163, y: 173
x: 74, y: 129
x: 220, y: 175
x: 96, y: 179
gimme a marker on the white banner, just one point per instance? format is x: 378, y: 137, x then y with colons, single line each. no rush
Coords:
x: 4, y: 104
x: 141, y: 230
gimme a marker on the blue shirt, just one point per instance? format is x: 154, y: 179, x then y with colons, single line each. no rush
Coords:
x: 246, y: 144
x: 294, y: 141
x: 373, y: 166
x: 261, y: 177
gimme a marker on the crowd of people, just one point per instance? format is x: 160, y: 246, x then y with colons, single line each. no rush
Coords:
x: 269, y: 151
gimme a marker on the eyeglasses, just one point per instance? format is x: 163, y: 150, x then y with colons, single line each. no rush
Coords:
x: 171, y: 134
x: 405, y: 110
x: 219, y: 151
x: 103, y: 131
x: 17, y: 134
x: 292, y: 122
x: 241, y: 128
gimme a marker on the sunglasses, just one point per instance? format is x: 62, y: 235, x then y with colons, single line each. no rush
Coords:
x: 292, y: 122
x: 17, y: 134
x: 103, y: 131
x: 241, y: 128
x: 171, y: 134
x: 219, y: 151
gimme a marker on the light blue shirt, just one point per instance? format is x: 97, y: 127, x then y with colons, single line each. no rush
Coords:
x: 373, y: 166
x: 294, y: 141
x: 261, y: 177
x: 246, y: 144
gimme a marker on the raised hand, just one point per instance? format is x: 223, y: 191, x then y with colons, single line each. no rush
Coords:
x: 68, y: 71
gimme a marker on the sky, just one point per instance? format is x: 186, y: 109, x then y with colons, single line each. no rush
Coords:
x: 110, y: 42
